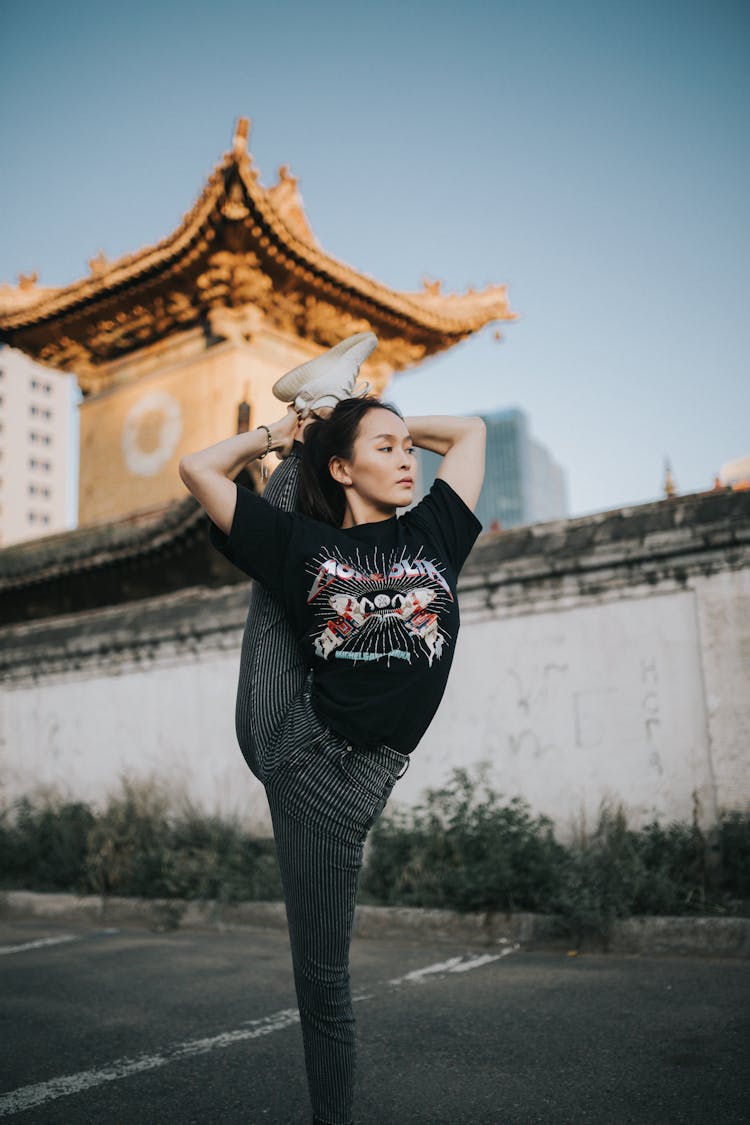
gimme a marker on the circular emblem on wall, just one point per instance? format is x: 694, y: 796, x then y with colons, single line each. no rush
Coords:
x: 150, y: 433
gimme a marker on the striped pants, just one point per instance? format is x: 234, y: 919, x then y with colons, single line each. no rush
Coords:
x: 324, y: 795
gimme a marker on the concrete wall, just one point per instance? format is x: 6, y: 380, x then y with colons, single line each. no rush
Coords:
x: 144, y: 691
x: 582, y: 703
x: 597, y: 659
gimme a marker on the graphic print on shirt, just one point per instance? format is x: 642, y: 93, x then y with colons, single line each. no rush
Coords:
x: 377, y: 611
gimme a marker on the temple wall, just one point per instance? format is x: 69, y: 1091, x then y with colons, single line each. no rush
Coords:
x: 169, y: 721
x: 631, y: 688
x: 723, y: 620
x: 585, y: 702
x: 170, y: 400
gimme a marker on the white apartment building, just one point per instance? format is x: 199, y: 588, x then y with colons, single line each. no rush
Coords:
x: 36, y: 448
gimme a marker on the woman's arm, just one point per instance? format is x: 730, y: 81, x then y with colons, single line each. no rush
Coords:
x: 209, y: 473
x: 462, y: 444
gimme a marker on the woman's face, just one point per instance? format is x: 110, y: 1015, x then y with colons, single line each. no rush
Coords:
x: 384, y: 465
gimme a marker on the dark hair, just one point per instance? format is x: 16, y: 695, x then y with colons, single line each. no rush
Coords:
x: 320, y: 496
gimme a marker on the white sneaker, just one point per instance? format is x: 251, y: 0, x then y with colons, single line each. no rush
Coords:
x: 329, y: 377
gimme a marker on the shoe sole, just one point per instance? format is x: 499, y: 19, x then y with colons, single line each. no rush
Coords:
x: 289, y: 385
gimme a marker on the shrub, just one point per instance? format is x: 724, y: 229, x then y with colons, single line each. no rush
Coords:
x: 460, y: 848
x: 675, y: 861
x: 45, y: 846
x: 139, y: 848
x: 136, y: 846
x: 127, y: 847
x: 211, y: 858
x: 600, y: 878
x: 734, y: 851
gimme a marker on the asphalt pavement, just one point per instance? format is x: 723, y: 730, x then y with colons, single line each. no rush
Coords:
x: 125, y: 1026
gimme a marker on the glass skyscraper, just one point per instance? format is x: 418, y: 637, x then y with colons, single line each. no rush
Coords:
x: 522, y: 483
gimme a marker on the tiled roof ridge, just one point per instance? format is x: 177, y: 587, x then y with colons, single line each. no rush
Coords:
x: 657, y: 528
x: 99, y: 545
x: 452, y: 314
x: 125, y: 269
x: 687, y: 523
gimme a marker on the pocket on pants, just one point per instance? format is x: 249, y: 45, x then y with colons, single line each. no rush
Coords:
x: 366, y: 775
x: 300, y: 761
x: 379, y: 809
x: 314, y: 788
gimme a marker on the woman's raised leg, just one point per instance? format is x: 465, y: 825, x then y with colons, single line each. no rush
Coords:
x: 272, y: 669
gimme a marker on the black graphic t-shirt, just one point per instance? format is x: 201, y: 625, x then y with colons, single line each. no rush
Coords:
x: 374, y: 606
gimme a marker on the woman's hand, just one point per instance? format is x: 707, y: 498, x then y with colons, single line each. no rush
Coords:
x: 461, y: 441
x: 285, y: 432
x: 209, y: 474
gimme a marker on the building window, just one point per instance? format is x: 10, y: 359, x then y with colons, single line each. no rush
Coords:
x: 41, y: 466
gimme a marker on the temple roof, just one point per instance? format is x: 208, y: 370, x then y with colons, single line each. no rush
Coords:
x: 240, y: 247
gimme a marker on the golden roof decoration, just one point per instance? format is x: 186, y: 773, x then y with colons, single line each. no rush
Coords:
x: 288, y: 203
x: 240, y: 245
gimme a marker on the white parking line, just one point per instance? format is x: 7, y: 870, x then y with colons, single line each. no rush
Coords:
x: 38, y: 943
x: 27, y: 1097
x: 453, y: 965
x: 483, y: 959
x: 57, y: 940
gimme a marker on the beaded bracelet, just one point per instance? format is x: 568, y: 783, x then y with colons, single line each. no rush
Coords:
x: 267, y: 450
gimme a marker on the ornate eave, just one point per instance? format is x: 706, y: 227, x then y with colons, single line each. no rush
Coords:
x: 244, y: 256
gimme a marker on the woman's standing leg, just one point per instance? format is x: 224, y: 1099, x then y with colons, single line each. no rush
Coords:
x: 319, y: 876
x: 323, y: 804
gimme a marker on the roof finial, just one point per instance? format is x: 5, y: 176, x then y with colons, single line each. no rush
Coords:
x: 669, y: 486
x: 239, y: 144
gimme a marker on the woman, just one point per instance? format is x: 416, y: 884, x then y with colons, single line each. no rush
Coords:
x: 350, y: 634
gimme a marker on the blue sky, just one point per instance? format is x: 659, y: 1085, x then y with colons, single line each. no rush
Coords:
x: 592, y: 156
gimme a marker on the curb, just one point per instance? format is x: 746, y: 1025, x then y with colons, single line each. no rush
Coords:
x: 647, y: 935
